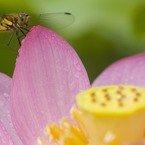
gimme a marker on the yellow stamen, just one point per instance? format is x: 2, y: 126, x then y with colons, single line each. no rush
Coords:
x: 66, y: 133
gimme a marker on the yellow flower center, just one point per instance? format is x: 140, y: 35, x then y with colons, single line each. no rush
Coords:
x: 109, y: 115
x: 66, y: 133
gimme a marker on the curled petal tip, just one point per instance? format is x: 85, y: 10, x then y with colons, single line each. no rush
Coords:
x: 127, y: 71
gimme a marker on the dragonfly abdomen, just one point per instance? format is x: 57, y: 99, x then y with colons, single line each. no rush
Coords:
x: 8, y: 23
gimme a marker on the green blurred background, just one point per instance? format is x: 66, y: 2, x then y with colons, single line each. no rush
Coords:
x: 103, y: 31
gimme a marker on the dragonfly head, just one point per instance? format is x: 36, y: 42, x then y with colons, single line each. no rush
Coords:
x: 24, y: 19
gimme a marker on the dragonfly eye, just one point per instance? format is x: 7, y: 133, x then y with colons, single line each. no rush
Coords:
x: 22, y: 19
x: 23, y: 15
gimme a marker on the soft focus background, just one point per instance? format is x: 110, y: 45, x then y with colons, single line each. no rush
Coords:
x: 103, y: 30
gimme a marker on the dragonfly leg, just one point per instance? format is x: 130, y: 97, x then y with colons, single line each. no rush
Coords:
x: 9, y: 41
x: 18, y: 37
x: 25, y: 29
x: 22, y: 32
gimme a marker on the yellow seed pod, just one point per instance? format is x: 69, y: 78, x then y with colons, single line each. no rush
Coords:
x: 113, y: 114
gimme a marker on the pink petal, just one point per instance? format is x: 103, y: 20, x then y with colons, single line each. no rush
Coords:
x: 5, y: 83
x: 133, y: 143
x: 47, y: 77
x: 5, y: 138
x: 128, y: 71
x: 5, y: 86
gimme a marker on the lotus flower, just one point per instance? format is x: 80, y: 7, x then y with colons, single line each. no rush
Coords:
x: 47, y: 77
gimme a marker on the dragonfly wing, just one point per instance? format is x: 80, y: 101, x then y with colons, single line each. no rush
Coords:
x: 57, y: 20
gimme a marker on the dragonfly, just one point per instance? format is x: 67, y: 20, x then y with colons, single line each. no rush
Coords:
x: 20, y: 23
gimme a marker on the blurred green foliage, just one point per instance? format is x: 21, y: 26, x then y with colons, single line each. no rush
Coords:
x: 103, y: 31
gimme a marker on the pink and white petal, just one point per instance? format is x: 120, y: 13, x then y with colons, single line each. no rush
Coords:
x: 47, y: 77
x: 5, y: 83
x: 5, y: 138
x: 127, y: 71
x: 5, y: 118
x: 141, y: 143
